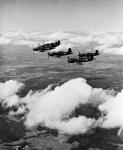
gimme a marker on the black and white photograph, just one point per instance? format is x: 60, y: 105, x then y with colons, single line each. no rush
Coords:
x: 61, y: 74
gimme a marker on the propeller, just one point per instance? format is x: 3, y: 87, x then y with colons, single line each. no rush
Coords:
x: 68, y: 60
x: 48, y: 54
x: 79, y: 54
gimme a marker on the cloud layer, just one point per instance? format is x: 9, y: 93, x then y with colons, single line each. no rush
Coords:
x: 107, y: 42
x: 52, y: 108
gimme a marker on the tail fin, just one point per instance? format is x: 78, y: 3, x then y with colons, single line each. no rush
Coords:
x: 96, y: 52
x: 69, y: 50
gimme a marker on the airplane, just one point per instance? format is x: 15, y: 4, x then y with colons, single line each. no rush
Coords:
x: 79, y: 60
x: 60, y: 53
x: 47, y: 46
x: 89, y: 54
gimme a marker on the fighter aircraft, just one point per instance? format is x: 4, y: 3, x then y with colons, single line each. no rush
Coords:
x: 47, y: 46
x: 80, y: 60
x: 89, y: 54
x: 60, y: 53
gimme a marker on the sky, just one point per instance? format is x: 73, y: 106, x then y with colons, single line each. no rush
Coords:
x: 65, y: 15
